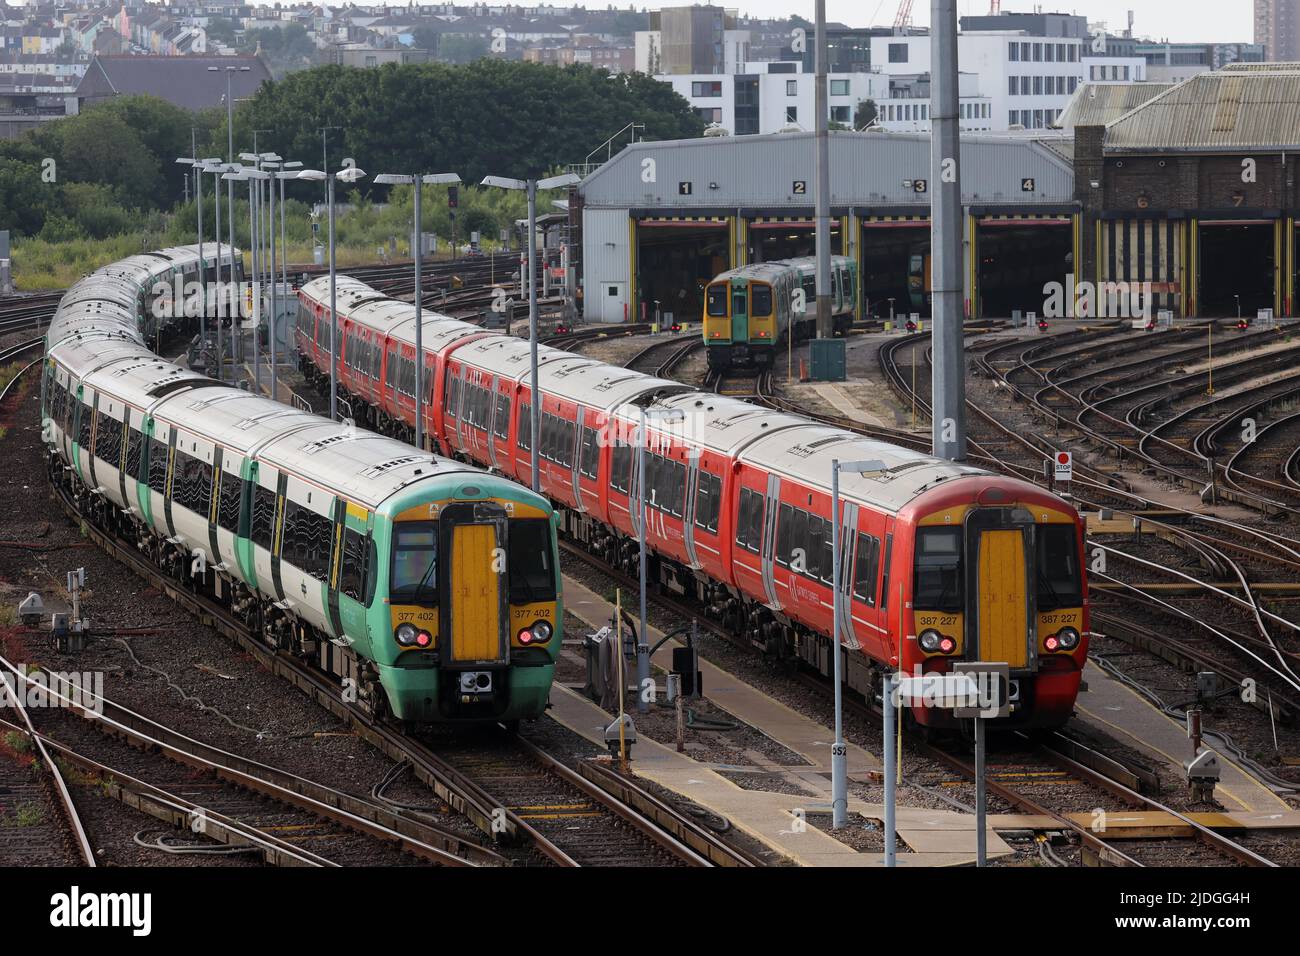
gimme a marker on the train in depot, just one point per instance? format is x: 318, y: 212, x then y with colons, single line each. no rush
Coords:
x: 427, y: 586
x: 943, y: 562
x: 749, y: 311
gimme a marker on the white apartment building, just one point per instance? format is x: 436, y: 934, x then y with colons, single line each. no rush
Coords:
x: 1009, y: 79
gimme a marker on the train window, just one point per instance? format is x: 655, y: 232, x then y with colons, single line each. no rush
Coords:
x: 708, y: 501
x: 589, y: 459
x: 157, y: 466
x: 352, y: 566
x: 501, y: 420
x: 884, y: 571
x: 749, y: 520
x: 739, y: 303
x: 938, y: 584
x: 134, y: 453
x: 231, y: 492
x: 826, y: 569
x: 390, y: 373
x: 192, y: 484
x: 306, y: 542
x: 762, y: 299
x: 865, y: 568
x: 414, y: 578
x: 263, y: 522
x: 524, y: 432
x: 83, y: 426
x: 814, y: 546
x: 1058, y: 567
x: 532, y: 574
x: 783, y: 545
x: 620, y: 466
x: 717, y: 300
x: 678, y: 488
x: 108, y: 439
x: 799, y: 541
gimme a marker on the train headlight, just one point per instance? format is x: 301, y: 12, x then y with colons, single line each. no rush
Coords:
x: 406, y: 634
x: 1067, y: 638
x: 930, y: 641
x: 539, y: 633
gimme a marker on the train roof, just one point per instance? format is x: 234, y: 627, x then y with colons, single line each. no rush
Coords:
x: 776, y: 266
x: 897, y: 477
x: 717, y: 422
x: 365, y: 466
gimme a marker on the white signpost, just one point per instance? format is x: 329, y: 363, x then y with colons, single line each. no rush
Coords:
x: 1064, y: 466
x: 974, y: 690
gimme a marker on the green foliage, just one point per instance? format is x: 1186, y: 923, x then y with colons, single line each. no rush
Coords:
x: 510, y: 118
x: 19, y: 743
x: 27, y: 814
x: 221, y: 30
x: 82, y: 191
x: 865, y: 114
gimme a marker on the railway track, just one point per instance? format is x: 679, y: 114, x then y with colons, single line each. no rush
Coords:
x: 1015, y: 777
x: 493, y: 814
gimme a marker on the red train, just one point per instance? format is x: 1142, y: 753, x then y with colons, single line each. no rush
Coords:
x: 941, y: 562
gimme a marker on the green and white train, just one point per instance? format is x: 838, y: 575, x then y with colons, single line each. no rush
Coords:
x: 749, y: 311
x: 428, y: 588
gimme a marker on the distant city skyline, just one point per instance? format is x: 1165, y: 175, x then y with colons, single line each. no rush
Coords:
x: 1174, y: 20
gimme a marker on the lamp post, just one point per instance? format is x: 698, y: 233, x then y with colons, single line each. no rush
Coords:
x: 417, y: 253
x: 197, y: 166
x: 667, y: 416
x: 217, y: 167
x: 349, y: 174
x: 288, y: 170
x: 839, y: 752
x: 253, y: 177
x: 531, y: 186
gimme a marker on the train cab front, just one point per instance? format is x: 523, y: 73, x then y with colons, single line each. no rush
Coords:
x: 473, y: 607
x: 1000, y: 581
x: 732, y: 336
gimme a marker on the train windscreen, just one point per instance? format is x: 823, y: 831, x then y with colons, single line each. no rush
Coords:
x: 415, y: 564
x: 762, y: 304
x: 938, y: 584
x: 1059, y: 582
x: 716, y: 304
x: 532, y: 576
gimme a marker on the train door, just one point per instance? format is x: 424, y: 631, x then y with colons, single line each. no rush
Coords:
x: 472, y: 608
x: 306, y: 534
x: 740, y: 312
x: 999, y: 549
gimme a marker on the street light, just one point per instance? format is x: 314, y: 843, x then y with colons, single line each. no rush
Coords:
x: 531, y: 186
x: 287, y: 170
x: 213, y: 165
x: 197, y: 166
x: 349, y: 174
x: 668, y: 416
x: 839, y: 762
x: 230, y: 110
x: 252, y: 177
x: 417, y: 250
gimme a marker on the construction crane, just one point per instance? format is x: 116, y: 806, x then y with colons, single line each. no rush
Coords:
x: 904, y: 16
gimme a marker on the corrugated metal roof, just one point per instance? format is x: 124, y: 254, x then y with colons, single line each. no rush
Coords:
x: 867, y: 169
x: 1228, y: 110
x: 1100, y: 104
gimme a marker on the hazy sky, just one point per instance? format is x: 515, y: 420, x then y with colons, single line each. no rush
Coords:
x: 1206, y: 20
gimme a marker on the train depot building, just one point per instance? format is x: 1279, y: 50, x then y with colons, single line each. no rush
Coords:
x: 1187, y: 192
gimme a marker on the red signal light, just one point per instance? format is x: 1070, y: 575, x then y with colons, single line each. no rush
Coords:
x: 1051, y: 643
x: 423, y: 639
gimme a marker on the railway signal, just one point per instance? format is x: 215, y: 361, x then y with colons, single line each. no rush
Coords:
x: 1064, y: 466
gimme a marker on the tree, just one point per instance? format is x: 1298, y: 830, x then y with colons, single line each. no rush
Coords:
x: 221, y: 30
x: 461, y: 49
x: 865, y: 114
